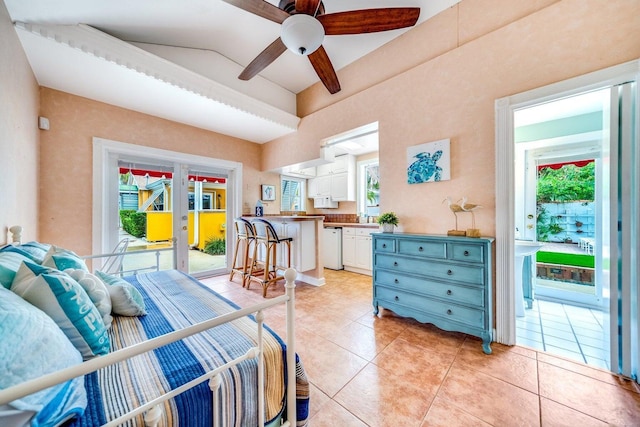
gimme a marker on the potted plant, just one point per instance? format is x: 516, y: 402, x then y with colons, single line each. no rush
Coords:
x: 388, y: 220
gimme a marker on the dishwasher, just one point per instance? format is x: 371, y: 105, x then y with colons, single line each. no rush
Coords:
x: 332, y: 248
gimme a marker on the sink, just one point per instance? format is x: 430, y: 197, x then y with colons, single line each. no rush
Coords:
x: 523, y: 248
x: 527, y: 247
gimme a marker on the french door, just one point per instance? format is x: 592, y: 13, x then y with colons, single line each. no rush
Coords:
x: 192, y: 202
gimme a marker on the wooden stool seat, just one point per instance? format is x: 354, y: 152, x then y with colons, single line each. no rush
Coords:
x: 245, y: 237
x: 266, y: 271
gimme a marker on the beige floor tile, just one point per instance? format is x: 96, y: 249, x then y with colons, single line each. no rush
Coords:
x: 554, y: 414
x: 492, y: 400
x: 429, y: 336
x: 380, y: 398
x: 417, y: 365
x: 444, y: 414
x: 614, y: 405
x: 511, y: 367
x: 334, y: 415
x: 362, y: 340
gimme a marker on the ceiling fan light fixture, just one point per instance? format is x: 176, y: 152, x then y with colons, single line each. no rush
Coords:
x: 302, y: 34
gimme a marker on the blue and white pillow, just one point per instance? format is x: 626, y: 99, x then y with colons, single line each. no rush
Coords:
x: 97, y: 291
x: 36, y: 250
x: 126, y: 300
x: 63, y: 259
x: 64, y: 300
x: 32, y: 345
x: 10, y: 262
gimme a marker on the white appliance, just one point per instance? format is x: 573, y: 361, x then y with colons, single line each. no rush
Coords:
x: 324, y: 202
x: 332, y: 248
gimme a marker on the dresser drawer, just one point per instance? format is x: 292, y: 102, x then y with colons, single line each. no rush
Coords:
x: 385, y: 245
x: 473, y: 296
x: 451, y: 312
x: 467, y: 253
x: 422, y: 248
x: 473, y: 275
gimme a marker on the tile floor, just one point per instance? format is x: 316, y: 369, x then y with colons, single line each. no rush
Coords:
x: 565, y: 330
x: 386, y: 370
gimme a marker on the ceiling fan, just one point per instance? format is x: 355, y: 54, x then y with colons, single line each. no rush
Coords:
x: 304, y: 26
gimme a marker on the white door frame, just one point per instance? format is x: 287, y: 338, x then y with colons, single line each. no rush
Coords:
x: 505, y: 189
x: 105, y: 219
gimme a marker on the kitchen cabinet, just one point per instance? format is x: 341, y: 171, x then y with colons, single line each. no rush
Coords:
x: 302, y: 246
x: 446, y: 281
x: 356, y: 249
x: 336, y: 180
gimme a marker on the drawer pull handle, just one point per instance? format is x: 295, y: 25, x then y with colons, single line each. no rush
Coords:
x: 449, y: 292
x: 449, y: 312
x: 420, y: 249
x: 397, y: 298
x: 396, y: 281
x: 466, y: 253
x: 384, y: 245
x: 395, y: 264
x: 449, y: 272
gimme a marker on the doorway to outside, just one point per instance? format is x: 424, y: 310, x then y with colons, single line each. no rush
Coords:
x: 615, y: 246
x: 558, y: 156
x: 157, y: 199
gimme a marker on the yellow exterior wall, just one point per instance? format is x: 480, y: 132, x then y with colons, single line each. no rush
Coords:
x: 159, y: 226
x: 212, y: 225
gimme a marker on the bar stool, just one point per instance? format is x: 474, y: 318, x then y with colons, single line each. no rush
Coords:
x: 245, y: 237
x: 267, y: 237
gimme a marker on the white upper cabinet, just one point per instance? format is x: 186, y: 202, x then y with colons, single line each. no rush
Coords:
x: 337, y: 180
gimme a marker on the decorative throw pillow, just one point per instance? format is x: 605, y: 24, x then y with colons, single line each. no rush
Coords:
x: 63, y: 259
x: 36, y: 250
x: 64, y: 300
x: 126, y: 300
x: 9, y: 264
x: 97, y: 291
x: 32, y: 345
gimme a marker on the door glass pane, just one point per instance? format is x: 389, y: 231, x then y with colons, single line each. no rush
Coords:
x: 207, y: 222
x: 145, y: 214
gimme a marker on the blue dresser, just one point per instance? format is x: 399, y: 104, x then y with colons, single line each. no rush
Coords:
x: 436, y: 279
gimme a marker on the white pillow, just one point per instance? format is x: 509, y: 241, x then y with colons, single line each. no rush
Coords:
x: 63, y: 259
x: 97, y: 291
x: 64, y: 300
x: 126, y: 300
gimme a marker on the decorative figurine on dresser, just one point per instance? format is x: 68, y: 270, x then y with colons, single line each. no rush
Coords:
x: 444, y: 280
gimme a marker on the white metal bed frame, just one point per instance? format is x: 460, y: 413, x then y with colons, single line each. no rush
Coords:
x: 152, y: 409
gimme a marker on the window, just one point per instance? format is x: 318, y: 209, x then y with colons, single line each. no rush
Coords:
x: 369, y: 188
x: 293, y: 194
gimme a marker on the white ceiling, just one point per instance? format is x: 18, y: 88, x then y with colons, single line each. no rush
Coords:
x: 180, y: 59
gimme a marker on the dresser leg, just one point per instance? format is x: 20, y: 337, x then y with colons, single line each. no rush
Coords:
x: 486, y: 344
x: 375, y: 309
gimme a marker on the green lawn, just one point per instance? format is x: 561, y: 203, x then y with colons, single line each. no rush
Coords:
x: 575, y: 260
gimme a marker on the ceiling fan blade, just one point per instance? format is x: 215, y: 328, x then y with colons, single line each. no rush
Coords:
x: 324, y: 69
x: 261, y: 8
x: 369, y: 20
x: 264, y: 59
x: 308, y: 7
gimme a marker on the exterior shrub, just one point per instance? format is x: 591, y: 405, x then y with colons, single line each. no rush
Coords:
x: 133, y: 222
x: 215, y: 246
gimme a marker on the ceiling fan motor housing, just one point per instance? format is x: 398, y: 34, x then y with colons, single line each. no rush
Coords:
x: 289, y: 6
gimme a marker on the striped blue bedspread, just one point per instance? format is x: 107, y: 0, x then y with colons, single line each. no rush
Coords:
x: 175, y: 300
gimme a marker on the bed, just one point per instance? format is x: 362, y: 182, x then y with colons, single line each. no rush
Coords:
x: 222, y: 363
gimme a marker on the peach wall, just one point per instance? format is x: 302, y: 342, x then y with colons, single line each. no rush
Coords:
x: 66, y: 158
x: 452, y: 95
x: 18, y: 136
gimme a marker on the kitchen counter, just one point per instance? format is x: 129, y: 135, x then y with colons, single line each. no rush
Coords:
x: 352, y: 224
